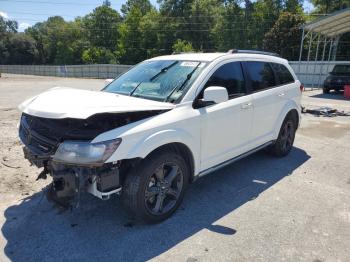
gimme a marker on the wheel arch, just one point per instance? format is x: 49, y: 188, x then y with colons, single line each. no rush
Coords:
x: 175, y: 139
x: 290, y: 110
x: 181, y: 149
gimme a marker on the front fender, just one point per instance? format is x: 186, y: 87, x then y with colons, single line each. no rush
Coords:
x: 143, y: 146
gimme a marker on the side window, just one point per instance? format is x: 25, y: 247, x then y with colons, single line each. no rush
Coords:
x: 261, y: 75
x: 283, y: 74
x: 229, y: 75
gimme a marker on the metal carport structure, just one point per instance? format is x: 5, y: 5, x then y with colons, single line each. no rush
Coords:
x: 323, y: 33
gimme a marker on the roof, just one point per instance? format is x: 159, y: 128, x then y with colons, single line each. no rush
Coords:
x: 208, y: 57
x: 331, y: 25
x: 205, y: 57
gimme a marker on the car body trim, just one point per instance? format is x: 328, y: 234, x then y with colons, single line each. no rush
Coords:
x: 232, y: 160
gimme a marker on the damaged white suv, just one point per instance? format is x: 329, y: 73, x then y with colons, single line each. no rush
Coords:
x: 161, y: 125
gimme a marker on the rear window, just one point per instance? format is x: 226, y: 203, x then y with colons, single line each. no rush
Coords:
x: 283, y: 74
x: 261, y: 75
x: 341, y: 69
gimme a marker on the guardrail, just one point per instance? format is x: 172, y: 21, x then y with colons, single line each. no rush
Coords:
x: 86, y: 71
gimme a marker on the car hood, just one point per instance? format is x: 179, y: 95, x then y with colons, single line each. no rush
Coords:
x: 61, y: 102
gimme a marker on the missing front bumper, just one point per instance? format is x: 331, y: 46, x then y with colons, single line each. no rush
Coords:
x: 70, y: 181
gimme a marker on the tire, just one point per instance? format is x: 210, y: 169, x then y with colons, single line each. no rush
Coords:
x: 325, y: 91
x: 284, y: 143
x: 155, y: 188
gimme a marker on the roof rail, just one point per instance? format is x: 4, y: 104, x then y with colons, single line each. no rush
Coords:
x: 236, y: 51
x: 186, y: 52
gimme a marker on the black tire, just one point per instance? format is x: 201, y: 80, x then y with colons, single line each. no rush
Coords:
x: 149, y: 197
x: 284, y: 143
x: 325, y: 90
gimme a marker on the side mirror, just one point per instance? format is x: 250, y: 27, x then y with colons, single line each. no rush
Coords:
x: 108, y: 81
x: 216, y: 94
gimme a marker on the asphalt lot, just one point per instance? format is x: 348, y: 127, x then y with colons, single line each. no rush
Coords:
x: 259, y: 209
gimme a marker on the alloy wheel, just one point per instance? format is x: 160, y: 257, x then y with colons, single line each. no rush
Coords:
x: 164, y: 188
x: 287, y: 136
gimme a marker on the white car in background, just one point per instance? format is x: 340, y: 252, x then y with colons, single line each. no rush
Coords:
x: 166, y: 122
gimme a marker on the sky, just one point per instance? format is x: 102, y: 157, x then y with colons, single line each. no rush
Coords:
x: 29, y: 12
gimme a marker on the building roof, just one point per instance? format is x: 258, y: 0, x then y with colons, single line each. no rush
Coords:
x: 331, y: 25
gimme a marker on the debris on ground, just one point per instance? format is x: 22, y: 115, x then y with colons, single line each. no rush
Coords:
x: 324, y: 111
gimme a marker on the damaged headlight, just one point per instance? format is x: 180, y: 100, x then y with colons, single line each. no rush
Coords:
x: 85, y: 152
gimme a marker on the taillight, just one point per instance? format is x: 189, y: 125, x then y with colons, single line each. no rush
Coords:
x: 301, y: 87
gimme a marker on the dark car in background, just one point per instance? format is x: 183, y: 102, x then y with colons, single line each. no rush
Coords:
x: 337, y: 79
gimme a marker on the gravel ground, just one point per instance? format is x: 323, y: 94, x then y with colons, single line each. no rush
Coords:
x: 259, y: 209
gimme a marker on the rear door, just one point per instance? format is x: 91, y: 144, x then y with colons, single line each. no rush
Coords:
x: 268, y: 100
x: 225, y: 126
x: 285, y: 78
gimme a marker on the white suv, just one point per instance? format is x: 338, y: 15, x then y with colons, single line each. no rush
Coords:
x: 161, y: 125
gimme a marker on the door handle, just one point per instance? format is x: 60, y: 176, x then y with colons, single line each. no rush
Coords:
x: 281, y: 94
x: 247, y: 105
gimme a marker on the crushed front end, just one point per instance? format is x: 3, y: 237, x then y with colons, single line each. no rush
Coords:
x: 63, y: 149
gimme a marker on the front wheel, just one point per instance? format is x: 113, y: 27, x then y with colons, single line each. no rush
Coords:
x: 154, y: 189
x: 284, y: 143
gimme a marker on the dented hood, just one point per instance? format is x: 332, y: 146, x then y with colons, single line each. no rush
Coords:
x: 81, y: 104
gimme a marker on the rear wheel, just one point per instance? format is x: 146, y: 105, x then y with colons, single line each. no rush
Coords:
x: 284, y: 143
x: 325, y: 90
x: 155, y: 188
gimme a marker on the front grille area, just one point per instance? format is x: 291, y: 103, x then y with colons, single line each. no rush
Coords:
x: 40, y: 144
x: 336, y: 85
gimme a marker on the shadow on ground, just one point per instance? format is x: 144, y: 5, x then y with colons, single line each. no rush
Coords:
x: 101, y: 230
x: 332, y: 95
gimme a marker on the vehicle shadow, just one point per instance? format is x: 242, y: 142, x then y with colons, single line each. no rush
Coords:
x: 101, y: 230
x: 332, y: 95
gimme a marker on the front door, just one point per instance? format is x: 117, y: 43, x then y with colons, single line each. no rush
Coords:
x: 226, y: 127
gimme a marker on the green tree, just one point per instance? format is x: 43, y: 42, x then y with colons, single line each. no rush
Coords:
x: 129, y: 46
x: 15, y: 48
x: 175, y: 21
x: 284, y: 36
x: 150, y: 26
x: 294, y: 6
x: 203, y: 17
x: 182, y: 46
x: 228, y: 32
x: 329, y: 6
x: 22, y: 49
x: 144, y: 5
x: 46, y: 35
x: 58, y: 41
x: 101, y: 27
x: 71, y: 44
x: 7, y: 26
x: 98, y: 55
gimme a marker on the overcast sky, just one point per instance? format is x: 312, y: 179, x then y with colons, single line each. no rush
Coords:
x: 29, y: 12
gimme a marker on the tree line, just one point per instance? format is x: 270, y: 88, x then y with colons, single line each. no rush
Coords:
x: 142, y: 31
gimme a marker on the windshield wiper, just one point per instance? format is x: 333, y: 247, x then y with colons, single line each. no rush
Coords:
x: 188, y: 77
x: 164, y: 69
x: 132, y: 91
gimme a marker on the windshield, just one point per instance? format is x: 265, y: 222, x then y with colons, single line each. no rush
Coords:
x: 161, y: 80
x: 341, y: 69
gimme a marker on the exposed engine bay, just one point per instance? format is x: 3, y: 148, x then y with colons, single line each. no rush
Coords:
x: 41, y: 138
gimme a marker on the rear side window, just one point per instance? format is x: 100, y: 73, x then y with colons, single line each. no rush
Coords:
x: 283, y: 74
x: 261, y: 75
x: 229, y: 75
